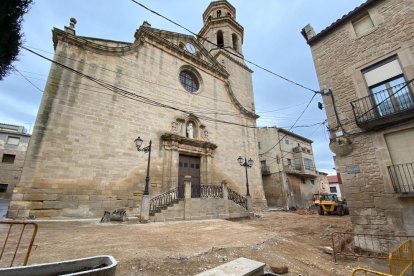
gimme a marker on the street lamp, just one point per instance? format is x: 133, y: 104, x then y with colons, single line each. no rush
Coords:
x: 246, y: 164
x: 147, y: 149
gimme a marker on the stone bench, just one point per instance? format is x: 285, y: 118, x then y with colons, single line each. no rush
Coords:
x: 238, y: 267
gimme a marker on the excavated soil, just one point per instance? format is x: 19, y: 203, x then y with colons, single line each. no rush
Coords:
x: 187, y: 248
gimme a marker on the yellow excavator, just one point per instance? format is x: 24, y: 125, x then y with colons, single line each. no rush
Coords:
x: 330, y: 204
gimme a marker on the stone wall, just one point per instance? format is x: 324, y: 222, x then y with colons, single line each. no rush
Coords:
x: 10, y: 173
x: 339, y: 58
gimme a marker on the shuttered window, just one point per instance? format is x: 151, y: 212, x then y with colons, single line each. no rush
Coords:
x: 363, y: 26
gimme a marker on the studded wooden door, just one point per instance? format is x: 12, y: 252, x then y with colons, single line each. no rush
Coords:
x: 189, y: 165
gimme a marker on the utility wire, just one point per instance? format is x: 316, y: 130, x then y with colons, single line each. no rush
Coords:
x: 131, y: 95
x: 34, y: 85
x: 300, y: 116
x: 128, y: 76
x: 224, y: 49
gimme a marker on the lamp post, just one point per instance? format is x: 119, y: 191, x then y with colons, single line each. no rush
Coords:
x: 246, y: 164
x: 145, y: 199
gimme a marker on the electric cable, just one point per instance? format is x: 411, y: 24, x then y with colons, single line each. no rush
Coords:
x: 131, y: 95
x: 300, y: 116
x: 224, y: 49
x: 34, y: 85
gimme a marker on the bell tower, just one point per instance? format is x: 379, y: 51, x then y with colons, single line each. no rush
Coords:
x: 220, y: 27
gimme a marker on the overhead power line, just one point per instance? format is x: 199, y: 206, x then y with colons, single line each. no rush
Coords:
x: 300, y: 116
x: 224, y: 49
x: 133, y: 96
x: 23, y: 76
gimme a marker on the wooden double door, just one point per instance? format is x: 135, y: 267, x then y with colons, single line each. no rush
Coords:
x: 189, y: 165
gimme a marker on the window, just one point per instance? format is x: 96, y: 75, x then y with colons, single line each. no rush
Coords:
x: 8, y: 158
x: 386, y: 83
x: 289, y: 161
x: 303, y: 180
x: 189, y: 81
x: 235, y: 41
x: 308, y: 163
x: 333, y: 190
x: 312, y: 181
x: 298, y: 165
x: 13, y: 140
x: 218, y: 13
x: 363, y: 25
x: 3, y: 188
x: 258, y: 144
x: 220, y: 41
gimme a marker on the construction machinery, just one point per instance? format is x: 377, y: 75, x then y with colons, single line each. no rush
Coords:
x: 330, y: 204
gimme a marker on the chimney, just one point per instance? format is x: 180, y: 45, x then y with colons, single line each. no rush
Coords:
x: 308, y: 32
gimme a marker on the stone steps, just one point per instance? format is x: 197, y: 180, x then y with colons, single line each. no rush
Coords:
x: 201, y: 209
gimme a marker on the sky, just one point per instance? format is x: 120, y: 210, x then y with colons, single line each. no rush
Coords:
x: 272, y: 40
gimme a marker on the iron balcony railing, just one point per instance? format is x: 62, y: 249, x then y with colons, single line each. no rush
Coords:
x: 402, y: 177
x: 383, y: 104
x: 298, y: 168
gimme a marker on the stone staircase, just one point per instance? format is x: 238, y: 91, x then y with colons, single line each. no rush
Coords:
x: 212, y: 202
x: 200, y: 209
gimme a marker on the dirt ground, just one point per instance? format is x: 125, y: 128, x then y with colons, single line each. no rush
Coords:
x: 187, y: 248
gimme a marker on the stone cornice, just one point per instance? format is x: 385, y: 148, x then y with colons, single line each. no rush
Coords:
x: 213, y: 65
x: 219, y: 3
x: 230, y: 57
x: 236, y: 102
x: 187, y: 141
x: 59, y: 35
x: 141, y: 36
x: 222, y: 20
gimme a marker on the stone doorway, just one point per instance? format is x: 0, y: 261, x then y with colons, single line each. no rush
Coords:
x: 189, y: 165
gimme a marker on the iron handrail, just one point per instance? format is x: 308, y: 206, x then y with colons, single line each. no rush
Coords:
x: 237, y: 198
x: 164, y: 200
x: 366, y: 109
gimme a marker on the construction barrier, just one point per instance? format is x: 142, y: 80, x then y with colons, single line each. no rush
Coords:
x: 365, y: 245
x: 401, y: 259
x: 17, y: 239
x: 367, y: 272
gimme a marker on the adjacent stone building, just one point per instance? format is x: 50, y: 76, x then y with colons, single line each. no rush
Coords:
x: 13, y: 145
x: 334, y: 186
x: 191, y: 98
x: 290, y: 178
x: 365, y: 66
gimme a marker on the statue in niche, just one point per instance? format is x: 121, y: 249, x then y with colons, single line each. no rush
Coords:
x: 174, y: 127
x: 190, y: 130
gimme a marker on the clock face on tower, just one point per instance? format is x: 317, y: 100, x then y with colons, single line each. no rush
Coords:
x: 190, y: 47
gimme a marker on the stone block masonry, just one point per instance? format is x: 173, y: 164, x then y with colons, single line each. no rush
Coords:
x: 340, y: 56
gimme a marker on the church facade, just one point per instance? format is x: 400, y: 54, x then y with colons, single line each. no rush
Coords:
x: 191, y: 98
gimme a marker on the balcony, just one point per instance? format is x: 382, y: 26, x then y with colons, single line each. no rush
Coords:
x: 265, y: 170
x: 300, y: 149
x: 383, y: 108
x: 300, y: 170
x: 402, y: 178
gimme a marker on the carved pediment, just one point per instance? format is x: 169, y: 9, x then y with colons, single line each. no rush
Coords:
x: 171, y: 137
x: 185, y: 45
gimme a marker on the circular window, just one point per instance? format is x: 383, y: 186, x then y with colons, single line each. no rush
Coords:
x: 189, y: 80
